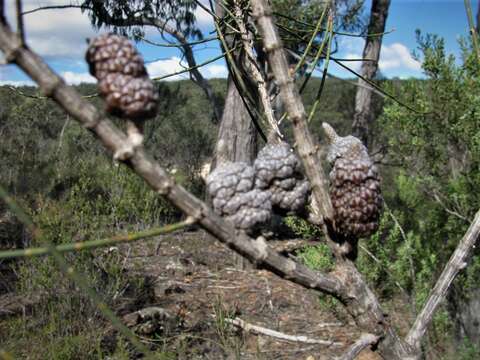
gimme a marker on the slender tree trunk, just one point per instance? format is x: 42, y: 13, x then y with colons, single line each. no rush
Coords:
x: 478, y: 18
x: 237, y: 139
x: 371, y: 52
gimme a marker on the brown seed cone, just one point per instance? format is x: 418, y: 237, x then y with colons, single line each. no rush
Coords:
x: 110, y: 53
x: 354, y: 186
x: 123, y: 79
x: 356, y: 197
x: 129, y: 97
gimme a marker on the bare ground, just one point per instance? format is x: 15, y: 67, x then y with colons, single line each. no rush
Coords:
x: 192, y: 290
x: 193, y: 277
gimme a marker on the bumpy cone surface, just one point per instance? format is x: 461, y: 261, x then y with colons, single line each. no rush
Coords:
x: 278, y: 169
x: 354, y: 186
x: 231, y: 186
x: 110, y: 53
x: 123, y: 79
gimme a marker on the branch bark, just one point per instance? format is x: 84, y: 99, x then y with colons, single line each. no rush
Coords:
x: 457, y: 262
x: 279, y: 335
x: 364, y: 341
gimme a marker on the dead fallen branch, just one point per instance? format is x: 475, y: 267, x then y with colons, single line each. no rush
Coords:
x: 364, y: 341
x: 278, y: 335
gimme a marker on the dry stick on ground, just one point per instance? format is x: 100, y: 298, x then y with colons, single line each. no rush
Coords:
x: 456, y: 263
x: 278, y: 335
x: 364, y: 341
x: 155, y: 176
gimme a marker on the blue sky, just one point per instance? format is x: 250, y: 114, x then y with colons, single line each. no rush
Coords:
x: 59, y: 36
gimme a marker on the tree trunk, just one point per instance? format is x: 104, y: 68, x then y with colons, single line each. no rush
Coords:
x: 478, y: 18
x: 237, y: 139
x: 371, y: 52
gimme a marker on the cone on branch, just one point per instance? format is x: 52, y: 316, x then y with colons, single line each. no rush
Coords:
x: 278, y: 169
x: 234, y: 196
x: 124, y: 84
x: 354, y: 186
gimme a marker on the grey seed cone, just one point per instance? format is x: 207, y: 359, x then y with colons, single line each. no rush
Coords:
x: 231, y: 186
x: 278, y: 169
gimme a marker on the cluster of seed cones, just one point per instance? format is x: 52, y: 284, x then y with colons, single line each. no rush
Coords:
x: 247, y: 195
x: 123, y: 79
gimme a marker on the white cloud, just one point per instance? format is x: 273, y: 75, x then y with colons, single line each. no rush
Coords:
x: 397, y: 56
x: 394, y: 58
x: 355, y: 65
x: 164, y: 67
x: 55, y: 32
x: 17, y: 83
x: 161, y: 68
x: 215, y: 71
x: 204, y: 19
x: 73, y: 78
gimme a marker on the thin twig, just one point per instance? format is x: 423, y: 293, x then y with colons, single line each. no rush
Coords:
x: 472, y: 29
x: 335, y: 32
x: 179, y: 45
x: 312, y: 39
x: 279, y: 335
x: 325, y: 69
x: 93, y: 244
x: 158, y: 78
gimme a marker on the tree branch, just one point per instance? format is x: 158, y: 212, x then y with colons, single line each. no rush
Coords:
x: 364, y: 341
x: 457, y: 262
x: 278, y: 335
x: 363, y: 304
x: 253, y: 69
x: 307, y: 150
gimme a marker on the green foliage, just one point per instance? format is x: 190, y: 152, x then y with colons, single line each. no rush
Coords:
x: 434, y: 193
x: 318, y: 257
x: 301, y: 227
x: 468, y: 351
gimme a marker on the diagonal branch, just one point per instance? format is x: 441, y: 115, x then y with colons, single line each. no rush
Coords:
x: 156, y: 177
x: 457, y: 262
